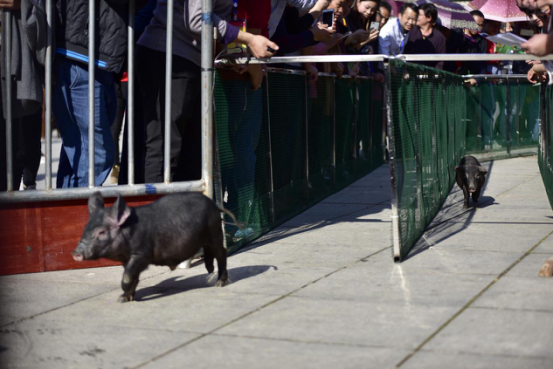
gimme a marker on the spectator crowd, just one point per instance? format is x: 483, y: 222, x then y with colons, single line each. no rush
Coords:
x: 262, y: 28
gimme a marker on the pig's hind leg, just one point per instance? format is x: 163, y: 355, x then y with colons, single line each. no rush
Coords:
x: 208, y: 260
x: 222, y: 269
x: 221, y: 256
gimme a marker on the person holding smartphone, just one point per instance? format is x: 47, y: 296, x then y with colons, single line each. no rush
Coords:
x: 364, y: 34
x: 361, y: 23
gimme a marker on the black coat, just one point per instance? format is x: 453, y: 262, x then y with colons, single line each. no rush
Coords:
x: 111, y: 31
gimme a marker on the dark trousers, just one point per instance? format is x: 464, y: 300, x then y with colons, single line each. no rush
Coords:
x: 185, y: 153
x: 26, y: 132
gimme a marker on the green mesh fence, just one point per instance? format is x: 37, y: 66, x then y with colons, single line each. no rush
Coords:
x: 290, y: 144
x: 545, y: 154
x: 435, y: 120
x: 502, y: 118
x: 428, y: 137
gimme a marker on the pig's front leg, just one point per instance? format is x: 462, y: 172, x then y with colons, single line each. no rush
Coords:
x: 133, y: 268
x: 466, y: 195
x: 476, y: 195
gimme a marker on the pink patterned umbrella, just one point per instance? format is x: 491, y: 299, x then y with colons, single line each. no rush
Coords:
x: 452, y: 15
x: 498, y: 10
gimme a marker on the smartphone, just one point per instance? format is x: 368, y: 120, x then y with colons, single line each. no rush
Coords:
x: 328, y: 17
x: 375, y: 25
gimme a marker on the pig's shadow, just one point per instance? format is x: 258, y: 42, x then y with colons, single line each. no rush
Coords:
x: 179, y: 284
x: 452, y: 217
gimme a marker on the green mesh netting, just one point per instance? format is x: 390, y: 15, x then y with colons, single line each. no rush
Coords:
x: 502, y: 118
x: 428, y: 111
x: 545, y: 154
x: 290, y: 144
x: 436, y: 119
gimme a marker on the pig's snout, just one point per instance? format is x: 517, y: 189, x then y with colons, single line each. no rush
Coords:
x: 78, y: 254
x: 472, y: 190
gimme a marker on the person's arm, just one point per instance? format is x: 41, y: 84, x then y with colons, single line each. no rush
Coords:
x: 227, y: 33
x: 539, y: 68
x: 258, y: 45
x: 319, y: 6
x: 291, y: 43
x: 10, y: 4
x: 540, y: 45
x: 385, y: 40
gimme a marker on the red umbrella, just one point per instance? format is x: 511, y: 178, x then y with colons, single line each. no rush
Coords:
x: 452, y: 15
x: 498, y: 10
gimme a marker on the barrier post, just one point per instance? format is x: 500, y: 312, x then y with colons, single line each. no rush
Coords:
x: 270, y: 151
x: 508, y: 122
x: 333, y: 133
x: 48, y: 97
x: 91, y: 91
x: 207, y: 97
x: 130, y: 94
x: 391, y: 154
x: 168, y: 94
x: 306, y: 126
x: 6, y: 52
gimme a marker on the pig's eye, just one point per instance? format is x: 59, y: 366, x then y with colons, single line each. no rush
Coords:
x: 103, y: 234
x: 477, y: 176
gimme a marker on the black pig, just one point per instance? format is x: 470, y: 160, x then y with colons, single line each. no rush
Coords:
x: 166, y: 232
x: 470, y: 177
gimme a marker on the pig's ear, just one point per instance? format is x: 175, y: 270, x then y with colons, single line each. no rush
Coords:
x: 95, y: 202
x: 456, y: 167
x: 120, y: 211
x: 482, y: 170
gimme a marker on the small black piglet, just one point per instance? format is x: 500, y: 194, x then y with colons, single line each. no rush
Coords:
x: 166, y: 232
x: 470, y: 177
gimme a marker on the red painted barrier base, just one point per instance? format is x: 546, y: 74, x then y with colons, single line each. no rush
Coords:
x: 39, y: 237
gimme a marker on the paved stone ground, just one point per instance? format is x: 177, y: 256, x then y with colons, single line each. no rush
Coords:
x: 321, y: 291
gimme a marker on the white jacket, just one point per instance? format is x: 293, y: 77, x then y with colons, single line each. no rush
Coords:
x: 391, y: 39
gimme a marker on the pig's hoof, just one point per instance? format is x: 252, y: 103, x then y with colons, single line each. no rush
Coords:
x: 547, y: 268
x: 124, y: 298
x: 220, y: 283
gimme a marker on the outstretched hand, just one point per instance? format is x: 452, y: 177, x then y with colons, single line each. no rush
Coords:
x: 262, y: 47
x: 10, y: 4
x: 321, y: 33
x: 540, y: 45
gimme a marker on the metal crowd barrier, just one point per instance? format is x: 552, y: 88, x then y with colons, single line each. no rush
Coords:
x: 49, y: 194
